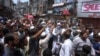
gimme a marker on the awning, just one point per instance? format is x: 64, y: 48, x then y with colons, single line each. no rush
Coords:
x: 59, y: 4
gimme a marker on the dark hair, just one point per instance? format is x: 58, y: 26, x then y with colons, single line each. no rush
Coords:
x: 22, y: 37
x: 8, y: 37
x: 83, y: 31
x: 47, y: 52
x: 21, y: 41
x: 86, y: 49
x: 1, y: 49
x: 81, y: 54
x: 5, y: 31
x: 20, y: 26
x: 32, y: 32
x: 96, y: 36
x: 75, y: 33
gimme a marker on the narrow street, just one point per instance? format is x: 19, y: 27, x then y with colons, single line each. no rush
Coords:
x: 49, y: 28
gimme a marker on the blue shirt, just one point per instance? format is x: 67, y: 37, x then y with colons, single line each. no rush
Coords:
x: 96, y: 45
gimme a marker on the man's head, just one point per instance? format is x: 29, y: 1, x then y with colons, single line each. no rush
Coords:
x: 22, y: 41
x: 49, y: 23
x: 43, y: 35
x: 21, y: 28
x: 67, y: 33
x: 96, y: 37
x: 11, y: 40
x: 84, y: 34
x: 58, y: 25
x: 32, y: 32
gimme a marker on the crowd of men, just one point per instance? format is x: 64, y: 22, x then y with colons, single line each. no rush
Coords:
x: 22, y: 37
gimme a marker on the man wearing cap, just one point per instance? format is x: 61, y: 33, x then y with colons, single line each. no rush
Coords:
x: 44, y: 39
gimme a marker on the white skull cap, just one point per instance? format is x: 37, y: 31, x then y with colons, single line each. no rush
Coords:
x: 78, y: 30
x: 59, y: 23
x: 99, y: 34
x: 43, y: 34
x: 43, y: 22
x: 32, y: 27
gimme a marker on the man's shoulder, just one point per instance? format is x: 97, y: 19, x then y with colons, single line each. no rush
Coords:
x: 76, y: 39
x: 8, y: 51
x: 67, y: 42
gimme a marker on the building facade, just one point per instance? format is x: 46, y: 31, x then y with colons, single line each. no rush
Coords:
x: 53, y: 8
x: 22, y: 8
x: 34, y: 6
x: 6, y: 8
x: 60, y: 5
x: 89, y: 12
x: 63, y: 10
x: 40, y: 7
x: 8, y: 3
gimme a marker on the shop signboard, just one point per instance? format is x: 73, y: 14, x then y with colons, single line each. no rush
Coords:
x: 89, y: 9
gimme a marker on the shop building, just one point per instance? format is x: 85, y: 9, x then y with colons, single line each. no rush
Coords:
x: 63, y: 9
x: 89, y: 12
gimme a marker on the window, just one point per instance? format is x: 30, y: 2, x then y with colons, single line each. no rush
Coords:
x: 35, y: 10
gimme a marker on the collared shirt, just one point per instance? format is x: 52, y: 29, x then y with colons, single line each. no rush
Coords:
x: 79, y: 43
x: 67, y: 48
x: 57, y: 31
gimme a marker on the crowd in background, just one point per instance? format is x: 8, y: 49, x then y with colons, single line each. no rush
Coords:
x: 23, y: 37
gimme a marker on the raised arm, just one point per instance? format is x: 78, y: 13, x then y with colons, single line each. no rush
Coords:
x: 40, y: 31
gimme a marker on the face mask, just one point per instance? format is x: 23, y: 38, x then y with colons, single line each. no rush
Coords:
x: 58, y: 26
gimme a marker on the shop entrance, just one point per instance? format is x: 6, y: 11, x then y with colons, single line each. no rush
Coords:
x: 95, y: 22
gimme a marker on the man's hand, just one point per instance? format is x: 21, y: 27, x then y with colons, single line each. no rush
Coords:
x: 98, y: 52
x: 53, y: 26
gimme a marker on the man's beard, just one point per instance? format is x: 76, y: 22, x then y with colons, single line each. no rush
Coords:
x: 15, y: 44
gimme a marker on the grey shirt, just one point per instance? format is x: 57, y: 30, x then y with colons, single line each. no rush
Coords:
x: 78, y: 43
x: 8, y: 51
